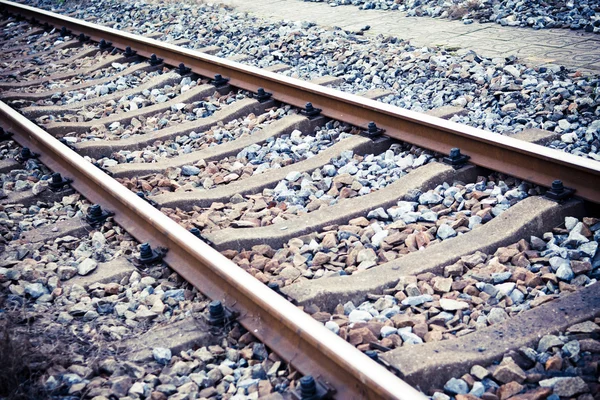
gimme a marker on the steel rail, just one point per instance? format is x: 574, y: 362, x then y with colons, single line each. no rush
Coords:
x: 531, y: 162
x: 295, y: 336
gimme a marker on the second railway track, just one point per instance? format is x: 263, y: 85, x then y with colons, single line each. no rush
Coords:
x: 422, y: 258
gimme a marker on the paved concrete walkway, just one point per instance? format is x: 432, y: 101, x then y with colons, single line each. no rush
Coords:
x: 575, y: 49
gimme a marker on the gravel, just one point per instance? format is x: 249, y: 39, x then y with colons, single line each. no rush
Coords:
x: 218, y: 134
x: 583, y: 14
x: 56, y: 84
x: 384, y: 235
x: 74, y: 331
x: 133, y: 102
x: 51, y: 63
x: 72, y: 96
x: 560, y: 366
x: 253, y: 160
x: 478, y: 291
x: 500, y: 94
x: 348, y: 175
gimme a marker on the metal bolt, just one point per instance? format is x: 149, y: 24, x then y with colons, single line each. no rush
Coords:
x: 310, y: 111
x: 372, y: 355
x: 273, y: 286
x: 145, y: 250
x: 104, y: 44
x: 64, y: 31
x: 183, y: 69
x: 26, y: 153
x: 83, y: 38
x: 95, y: 211
x: 128, y: 52
x: 220, y: 81
x: 216, y: 313
x: 262, y: 95
x: 557, y: 186
x: 215, y: 309
x: 195, y: 231
x: 373, y: 131
x: 372, y: 127
x: 57, y: 182
x: 558, y: 191
x: 308, y: 386
x: 155, y: 60
x: 147, y: 255
x: 4, y: 135
x: 56, y: 178
x: 456, y: 158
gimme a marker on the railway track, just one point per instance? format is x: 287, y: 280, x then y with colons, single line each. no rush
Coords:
x: 386, y: 216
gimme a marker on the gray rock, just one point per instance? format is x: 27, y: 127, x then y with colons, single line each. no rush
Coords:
x: 547, y: 342
x: 190, y: 170
x: 496, y: 316
x: 409, y: 337
x: 120, y: 386
x: 417, y: 300
x: 378, y: 213
x: 566, y: 386
x: 359, y: 315
x: 161, y: 355
x: 565, y: 273
x: 430, y: 198
x: 571, y: 349
x: 332, y: 326
x: 456, y: 386
x: 35, y: 290
x: 86, y: 266
x: 445, y: 231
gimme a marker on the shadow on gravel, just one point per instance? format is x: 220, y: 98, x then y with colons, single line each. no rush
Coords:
x: 30, y: 351
x: 19, y: 363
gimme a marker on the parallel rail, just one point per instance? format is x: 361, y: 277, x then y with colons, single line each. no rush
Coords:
x: 531, y: 162
x: 295, y: 336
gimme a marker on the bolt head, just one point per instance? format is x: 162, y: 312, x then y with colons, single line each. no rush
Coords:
x: 557, y: 185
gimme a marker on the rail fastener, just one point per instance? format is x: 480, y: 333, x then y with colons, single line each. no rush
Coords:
x: 96, y: 215
x: 262, y: 95
x: 456, y: 159
x: 310, y: 111
x: 558, y: 192
x: 57, y: 182
x: 148, y: 255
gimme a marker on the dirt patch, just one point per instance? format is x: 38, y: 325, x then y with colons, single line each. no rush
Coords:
x: 31, y: 350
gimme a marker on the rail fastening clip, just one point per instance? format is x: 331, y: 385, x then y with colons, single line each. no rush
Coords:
x: 148, y: 255
x: 310, y: 111
x: 456, y: 159
x: 262, y: 95
x: 96, y: 215
x: 558, y: 192
x: 57, y: 182
x: 219, y: 81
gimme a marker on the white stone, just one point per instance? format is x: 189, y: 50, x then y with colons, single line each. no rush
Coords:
x: 86, y: 266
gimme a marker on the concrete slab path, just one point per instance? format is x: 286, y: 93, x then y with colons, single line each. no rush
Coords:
x: 575, y: 49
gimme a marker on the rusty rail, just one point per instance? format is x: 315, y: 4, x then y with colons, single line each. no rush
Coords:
x: 531, y: 162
